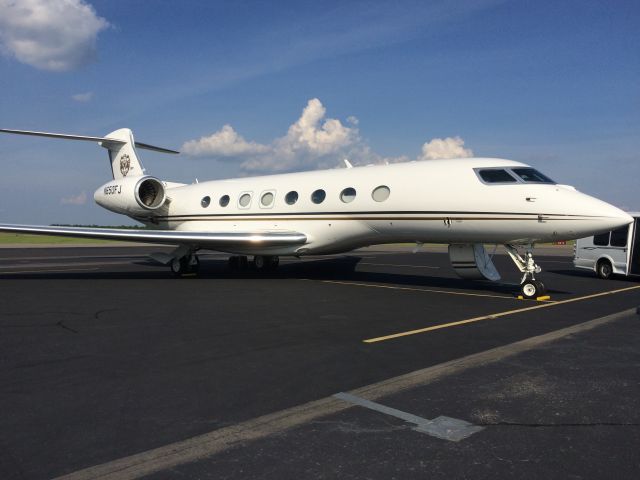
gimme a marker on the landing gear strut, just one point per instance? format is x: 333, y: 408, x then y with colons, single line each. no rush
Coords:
x: 529, y: 286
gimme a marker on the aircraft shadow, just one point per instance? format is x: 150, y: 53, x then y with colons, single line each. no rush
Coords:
x: 333, y: 269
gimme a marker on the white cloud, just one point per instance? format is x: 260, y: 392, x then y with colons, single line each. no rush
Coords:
x: 79, y: 199
x: 450, y: 147
x: 312, y: 134
x: 224, y: 143
x: 309, y: 142
x: 56, y: 35
x: 313, y: 141
x: 82, y: 97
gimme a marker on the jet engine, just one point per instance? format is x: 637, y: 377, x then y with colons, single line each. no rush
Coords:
x: 472, y: 261
x: 135, y: 196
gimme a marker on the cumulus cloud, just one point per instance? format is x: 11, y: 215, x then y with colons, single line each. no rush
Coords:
x: 312, y: 141
x: 224, y: 143
x: 450, y: 147
x: 79, y: 199
x: 82, y: 97
x: 313, y: 135
x: 56, y: 35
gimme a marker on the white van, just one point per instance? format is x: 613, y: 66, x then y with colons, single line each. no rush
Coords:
x: 615, y: 252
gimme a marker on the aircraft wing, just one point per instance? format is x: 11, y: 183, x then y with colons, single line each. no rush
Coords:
x: 210, y: 240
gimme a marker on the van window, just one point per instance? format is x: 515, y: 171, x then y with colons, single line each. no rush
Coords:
x: 496, y: 175
x: 619, y: 236
x: 602, y: 239
x: 531, y: 175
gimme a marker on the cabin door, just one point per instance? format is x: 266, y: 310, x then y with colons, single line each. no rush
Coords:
x: 634, y: 265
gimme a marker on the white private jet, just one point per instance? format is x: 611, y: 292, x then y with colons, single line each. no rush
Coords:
x: 462, y: 202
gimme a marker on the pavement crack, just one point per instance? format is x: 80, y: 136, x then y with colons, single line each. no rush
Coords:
x: 97, y: 314
x: 62, y: 325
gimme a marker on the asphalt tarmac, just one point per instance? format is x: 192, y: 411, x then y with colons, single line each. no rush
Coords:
x: 112, y: 368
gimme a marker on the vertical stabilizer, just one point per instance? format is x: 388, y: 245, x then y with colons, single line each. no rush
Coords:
x: 122, y: 154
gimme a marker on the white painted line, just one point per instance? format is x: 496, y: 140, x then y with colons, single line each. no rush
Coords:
x: 398, y: 265
x: 208, y: 444
x: 446, y: 428
x: 51, y: 271
x: 412, y: 289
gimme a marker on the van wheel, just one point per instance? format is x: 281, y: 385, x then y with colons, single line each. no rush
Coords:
x: 604, y: 269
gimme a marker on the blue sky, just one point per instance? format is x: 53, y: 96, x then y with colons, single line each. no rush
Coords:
x: 554, y: 84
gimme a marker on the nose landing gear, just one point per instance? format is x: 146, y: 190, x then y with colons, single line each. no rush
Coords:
x: 529, y: 286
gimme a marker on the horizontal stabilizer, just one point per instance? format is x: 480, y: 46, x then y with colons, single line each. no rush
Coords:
x: 105, y: 141
x: 211, y: 240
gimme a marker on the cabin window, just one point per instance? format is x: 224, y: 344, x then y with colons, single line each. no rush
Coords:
x: 381, y: 193
x: 348, y: 195
x: 602, y: 240
x: 245, y: 200
x: 267, y: 199
x: 224, y: 200
x: 205, y: 201
x: 531, y: 175
x: 291, y: 198
x: 496, y: 175
x: 318, y: 196
x: 619, y: 236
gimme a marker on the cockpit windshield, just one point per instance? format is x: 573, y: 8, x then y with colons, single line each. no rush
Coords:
x: 531, y: 175
x: 496, y: 175
x: 506, y: 175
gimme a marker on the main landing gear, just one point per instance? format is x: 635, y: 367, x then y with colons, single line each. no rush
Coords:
x: 261, y: 263
x: 184, y: 265
x: 529, y: 286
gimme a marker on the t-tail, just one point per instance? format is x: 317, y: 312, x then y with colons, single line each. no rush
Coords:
x: 120, y: 143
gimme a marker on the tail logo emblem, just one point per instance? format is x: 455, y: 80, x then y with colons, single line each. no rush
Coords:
x: 125, y: 164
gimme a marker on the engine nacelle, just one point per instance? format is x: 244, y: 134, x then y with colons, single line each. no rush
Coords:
x: 136, y: 196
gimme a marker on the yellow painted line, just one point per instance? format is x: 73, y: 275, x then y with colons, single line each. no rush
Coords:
x: 493, y: 316
x: 496, y: 315
x: 392, y: 287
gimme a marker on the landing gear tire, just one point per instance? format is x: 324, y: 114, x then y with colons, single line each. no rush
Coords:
x: 604, y: 269
x: 179, y: 266
x: 263, y: 263
x: 532, y: 289
x: 183, y: 265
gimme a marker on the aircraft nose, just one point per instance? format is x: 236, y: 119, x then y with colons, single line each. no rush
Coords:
x: 610, y: 217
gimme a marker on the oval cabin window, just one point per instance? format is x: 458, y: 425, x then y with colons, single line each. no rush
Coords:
x: 381, y: 193
x: 224, y: 200
x: 205, y: 202
x: 267, y: 199
x: 348, y: 195
x: 318, y: 196
x: 245, y: 200
x: 291, y: 198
